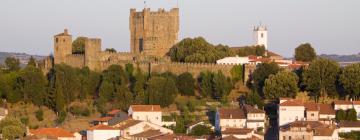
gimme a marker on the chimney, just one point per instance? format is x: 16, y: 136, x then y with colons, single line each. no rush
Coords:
x: 230, y: 116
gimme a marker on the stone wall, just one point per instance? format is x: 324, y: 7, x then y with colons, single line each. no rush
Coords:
x: 75, y: 60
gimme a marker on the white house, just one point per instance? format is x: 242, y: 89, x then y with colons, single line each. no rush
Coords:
x: 58, y: 133
x: 240, y: 133
x: 233, y: 60
x: 129, y: 128
x: 308, y: 130
x: 255, y: 118
x: 230, y: 118
x: 342, y: 104
x: 149, y: 113
x: 102, y: 132
x: 348, y: 126
x: 290, y: 111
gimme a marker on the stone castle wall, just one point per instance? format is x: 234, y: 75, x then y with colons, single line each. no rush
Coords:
x: 75, y: 60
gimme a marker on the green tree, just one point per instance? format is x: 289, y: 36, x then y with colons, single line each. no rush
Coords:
x: 200, y: 130
x: 261, y: 73
x: 350, y: 80
x: 340, y: 115
x: 282, y: 84
x: 253, y: 98
x: 139, y: 87
x: 12, y: 64
x: 186, y: 84
x: 351, y: 115
x: 305, y: 53
x: 320, y: 77
x: 112, y: 50
x: 31, y: 85
x: 221, y: 86
x: 78, y: 45
x: 251, y: 50
x: 237, y: 73
x: 89, y: 81
x: 161, y: 91
x: 205, y: 80
x: 32, y: 62
x: 11, y: 128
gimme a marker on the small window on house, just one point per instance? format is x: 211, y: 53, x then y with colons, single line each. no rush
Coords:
x: 284, y: 138
x: 312, y: 114
x: 262, y: 35
x: 57, y: 40
x: 289, y: 137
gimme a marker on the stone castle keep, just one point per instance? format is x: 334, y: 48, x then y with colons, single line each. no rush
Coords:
x: 152, y: 36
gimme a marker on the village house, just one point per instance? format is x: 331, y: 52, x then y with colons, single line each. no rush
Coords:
x: 172, y: 137
x: 255, y: 118
x: 241, y: 133
x: 130, y: 128
x: 112, y: 118
x: 230, y: 118
x: 54, y: 133
x: 102, y: 132
x: 348, y: 126
x: 308, y: 130
x: 148, y: 113
x: 343, y: 105
x: 290, y: 111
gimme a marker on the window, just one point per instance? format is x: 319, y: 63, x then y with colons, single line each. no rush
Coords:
x: 262, y: 35
x: 312, y: 114
x: 289, y: 137
x: 57, y: 40
x: 284, y: 138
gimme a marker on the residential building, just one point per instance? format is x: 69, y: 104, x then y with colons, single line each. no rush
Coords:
x: 348, y: 126
x: 149, y: 113
x: 233, y: 60
x: 230, y: 118
x: 146, y: 135
x: 102, y: 132
x: 290, y: 111
x: 327, y: 113
x: 54, y: 133
x: 241, y: 133
x: 312, y: 111
x: 342, y: 104
x: 308, y: 130
x: 112, y: 118
x: 255, y: 118
x: 131, y: 127
x: 172, y: 137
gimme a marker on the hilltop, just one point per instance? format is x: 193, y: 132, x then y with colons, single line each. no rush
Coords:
x: 23, y: 57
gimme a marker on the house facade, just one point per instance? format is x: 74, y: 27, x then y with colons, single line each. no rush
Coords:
x: 290, y: 111
x: 148, y: 113
x: 102, y: 132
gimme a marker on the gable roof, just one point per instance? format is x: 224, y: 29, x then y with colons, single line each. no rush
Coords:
x: 251, y: 109
x: 318, y: 128
x: 128, y: 123
x: 226, y: 113
x: 113, y: 112
x: 326, y: 109
x: 103, y: 119
x: 148, y: 134
x: 349, y: 124
x: 52, y: 132
x: 101, y: 127
x: 291, y: 103
x: 342, y: 102
x: 309, y: 106
x: 145, y: 108
x: 237, y: 131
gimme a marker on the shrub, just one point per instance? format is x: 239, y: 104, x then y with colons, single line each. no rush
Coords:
x: 79, y: 110
x: 61, y: 117
x: 39, y: 115
x: 24, y: 120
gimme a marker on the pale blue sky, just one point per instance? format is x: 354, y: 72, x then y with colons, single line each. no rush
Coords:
x: 332, y: 26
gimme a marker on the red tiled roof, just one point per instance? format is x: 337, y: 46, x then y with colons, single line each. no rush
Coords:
x: 101, y: 127
x: 231, y: 113
x: 349, y: 124
x: 103, y: 119
x: 251, y: 109
x: 237, y: 131
x: 113, y: 112
x: 356, y: 102
x: 309, y: 106
x: 326, y: 109
x: 145, y: 108
x: 292, y: 103
x: 128, y: 123
x: 342, y: 102
x: 148, y: 134
x: 52, y: 132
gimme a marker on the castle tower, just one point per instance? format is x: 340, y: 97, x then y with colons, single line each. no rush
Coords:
x: 92, y: 53
x: 153, y: 33
x: 261, y: 37
x: 62, y: 47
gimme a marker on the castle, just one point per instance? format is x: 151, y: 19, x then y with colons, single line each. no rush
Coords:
x: 153, y: 33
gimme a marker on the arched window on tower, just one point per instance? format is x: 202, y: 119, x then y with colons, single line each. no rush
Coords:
x: 262, y: 35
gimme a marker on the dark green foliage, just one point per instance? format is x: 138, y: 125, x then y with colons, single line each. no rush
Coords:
x: 214, y: 84
x: 12, y: 64
x: 354, y: 135
x: 320, y: 77
x: 282, y: 84
x: 139, y: 87
x: 161, y: 91
x: 237, y: 73
x: 251, y: 50
x: 89, y: 81
x: 351, y: 115
x: 261, y: 73
x: 350, y: 80
x: 78, y: 45
x: 12, y: 128
x: 201, y: 130
x: 253, y: 98
x: 198, y: 50
x: 24, y: 120
x: 78, y: 110
x: 205, y: 82
x: 186, y: 84
x: 32, y: 62
x: 112, y: 50
x: 61, y: 117
x: 39, y: 114
x: 305, y: 53
x: 340, y: 115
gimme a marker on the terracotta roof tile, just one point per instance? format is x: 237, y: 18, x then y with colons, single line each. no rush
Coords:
x: 251, y: 109
x: 103, y: 119
x: 148, y: 134
x: 356, y: 102
x: 349, y: 124
x: 128, y: 123
x: 292, y: 103
x: 237, y: 131
x: 113, y: 112
x: 231, y: 113
x: 101, y: 127
x: 52, y: 132
x: 326, y: 109
x: 171, y: 137
x: 342, y: 102
x: 309, y: 106
x: 145, y: 108
x: 318, y: 128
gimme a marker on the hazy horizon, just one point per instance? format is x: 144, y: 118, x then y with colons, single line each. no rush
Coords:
x: 331, y: 26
